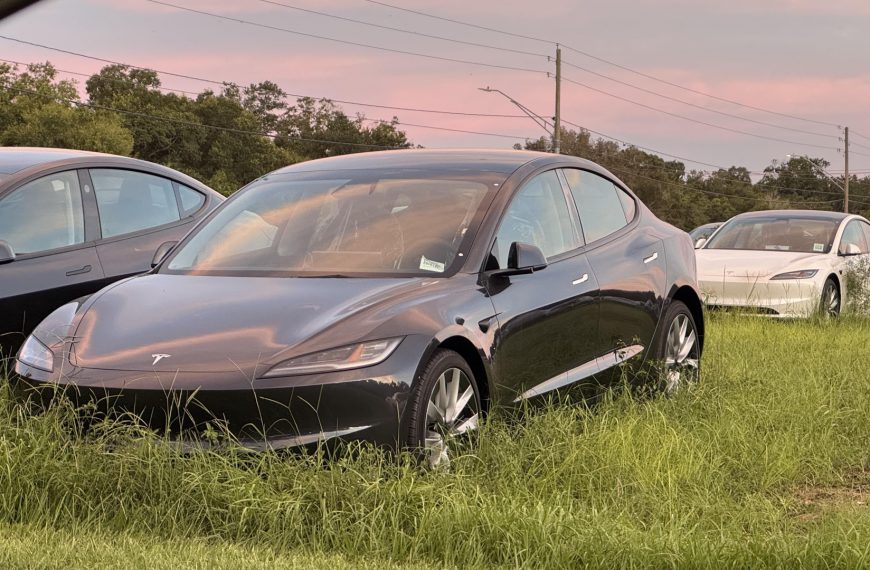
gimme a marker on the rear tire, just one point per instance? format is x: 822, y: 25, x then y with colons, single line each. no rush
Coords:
x: 678, y: 349
x: 831, y: 299
x: 444, y: 408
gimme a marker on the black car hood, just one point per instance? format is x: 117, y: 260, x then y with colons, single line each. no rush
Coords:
x: 219, y: 324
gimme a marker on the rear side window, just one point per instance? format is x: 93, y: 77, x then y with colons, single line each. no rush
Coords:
x: 131, y: 201
x: 191, y: 200
x: 604, y: 208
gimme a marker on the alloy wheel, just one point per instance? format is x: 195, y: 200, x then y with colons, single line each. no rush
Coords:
x: 452, y: 413
x: 831, y: 300
x: 681, y: 353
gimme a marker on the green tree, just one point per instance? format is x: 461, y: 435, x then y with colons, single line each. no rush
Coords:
x: 38, y: 110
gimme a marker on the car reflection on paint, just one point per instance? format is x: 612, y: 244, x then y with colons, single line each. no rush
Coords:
x: 392, y: 297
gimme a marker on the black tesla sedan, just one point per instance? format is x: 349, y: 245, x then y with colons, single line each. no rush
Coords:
x: 392, y: 297
x: 71, y: 222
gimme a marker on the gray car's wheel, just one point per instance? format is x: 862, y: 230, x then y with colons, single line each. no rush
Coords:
x: 679, y: 350
x: 445, y: 407
x: 831, y: 300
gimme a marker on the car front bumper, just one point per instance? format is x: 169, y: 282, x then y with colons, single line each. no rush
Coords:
x: 363, y: 404
x: 787, y: 298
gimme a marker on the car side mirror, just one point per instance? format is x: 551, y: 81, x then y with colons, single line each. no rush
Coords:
x: 523, y: 258
x: 7, y: 254
x: 700, y: 243
x: 162, y: 252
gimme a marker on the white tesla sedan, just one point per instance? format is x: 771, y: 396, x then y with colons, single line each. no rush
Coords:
x: 783, y: 263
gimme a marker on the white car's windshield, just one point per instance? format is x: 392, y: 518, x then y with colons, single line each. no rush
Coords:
x: 807, y: 235
x: 338, y: 223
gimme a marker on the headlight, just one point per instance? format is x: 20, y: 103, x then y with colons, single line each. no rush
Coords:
x: 359, y: 355
x: 34, y: 353
x: 802, y: 274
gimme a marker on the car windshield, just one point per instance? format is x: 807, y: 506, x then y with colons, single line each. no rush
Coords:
x: 806, y: 235
x: 341, y: 222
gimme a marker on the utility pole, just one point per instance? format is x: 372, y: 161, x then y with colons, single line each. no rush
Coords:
x: 846, y: 173
x: 557, y: 137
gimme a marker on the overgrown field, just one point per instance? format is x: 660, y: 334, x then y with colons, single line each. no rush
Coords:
x: 766, y: 463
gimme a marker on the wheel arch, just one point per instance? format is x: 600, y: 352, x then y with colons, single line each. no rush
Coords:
x: 468, y: 351
x: 689, y: 297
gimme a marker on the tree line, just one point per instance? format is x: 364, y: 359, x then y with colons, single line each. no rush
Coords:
x: 228, y: 136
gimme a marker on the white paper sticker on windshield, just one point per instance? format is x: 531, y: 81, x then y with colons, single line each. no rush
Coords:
x: 818, y: 247
x: 429, y: 265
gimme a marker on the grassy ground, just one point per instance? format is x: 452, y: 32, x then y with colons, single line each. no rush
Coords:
x: 766, y: 463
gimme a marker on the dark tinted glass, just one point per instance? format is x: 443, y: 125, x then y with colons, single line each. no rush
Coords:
x: 602, y: 209
x: 538, y: 215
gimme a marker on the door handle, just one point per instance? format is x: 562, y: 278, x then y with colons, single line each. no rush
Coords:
x: 651, y: 258
x: 583, y: 279
x: 80, y: 271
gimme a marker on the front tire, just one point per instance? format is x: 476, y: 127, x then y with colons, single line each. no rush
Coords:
x: 678, y: 350
x: 445, y: 407
x: 831, y: 299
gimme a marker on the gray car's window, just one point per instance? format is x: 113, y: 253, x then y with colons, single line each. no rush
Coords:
x: 853, y: 241
x: 131, y: 201
x: 44, y: 214
x: 538, y: 215
x: 342, y: 222
x: 602, y: 208
x: 191, y: 200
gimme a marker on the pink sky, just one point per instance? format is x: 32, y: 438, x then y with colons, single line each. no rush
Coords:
x: 798, y: 57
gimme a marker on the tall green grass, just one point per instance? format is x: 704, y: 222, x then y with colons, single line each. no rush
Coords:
x: 765, y: 463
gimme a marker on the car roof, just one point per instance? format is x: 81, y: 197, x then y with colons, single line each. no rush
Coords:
x: 805, y: 214
x: 14, y: 159
x: 500, y: 161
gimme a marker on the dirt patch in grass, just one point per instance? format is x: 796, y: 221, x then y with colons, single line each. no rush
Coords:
x: 815, y: 500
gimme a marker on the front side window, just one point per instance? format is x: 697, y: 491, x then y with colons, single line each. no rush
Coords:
x: 346, y: 222
x: 603, y: 207
x: 806, y: 235
x: 43, y: 215
x: 853, y: 241
x: 538, y: 215
x: 130, y: 201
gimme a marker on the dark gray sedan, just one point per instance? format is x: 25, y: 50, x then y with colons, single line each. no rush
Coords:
x: 73, y: 221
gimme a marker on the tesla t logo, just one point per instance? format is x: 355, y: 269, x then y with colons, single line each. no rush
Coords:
x: 158, y: 357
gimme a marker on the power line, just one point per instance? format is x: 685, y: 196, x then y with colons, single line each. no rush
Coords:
x: 511, y: 34
x: 854, y: 132
x: 194, y: 123
x: 225, y: 83
x: 347, y: 42
x: 677, y: 115
x: 718, y: 167
x: 696, y: 106
x: 403, y: 31
x: 80, y: 74
x: 404, y: 124
x: 685, y: 186
x: 606, y: 61
x: 853, y: 143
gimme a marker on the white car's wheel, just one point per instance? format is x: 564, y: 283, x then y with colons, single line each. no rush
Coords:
x: 830, y: 304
